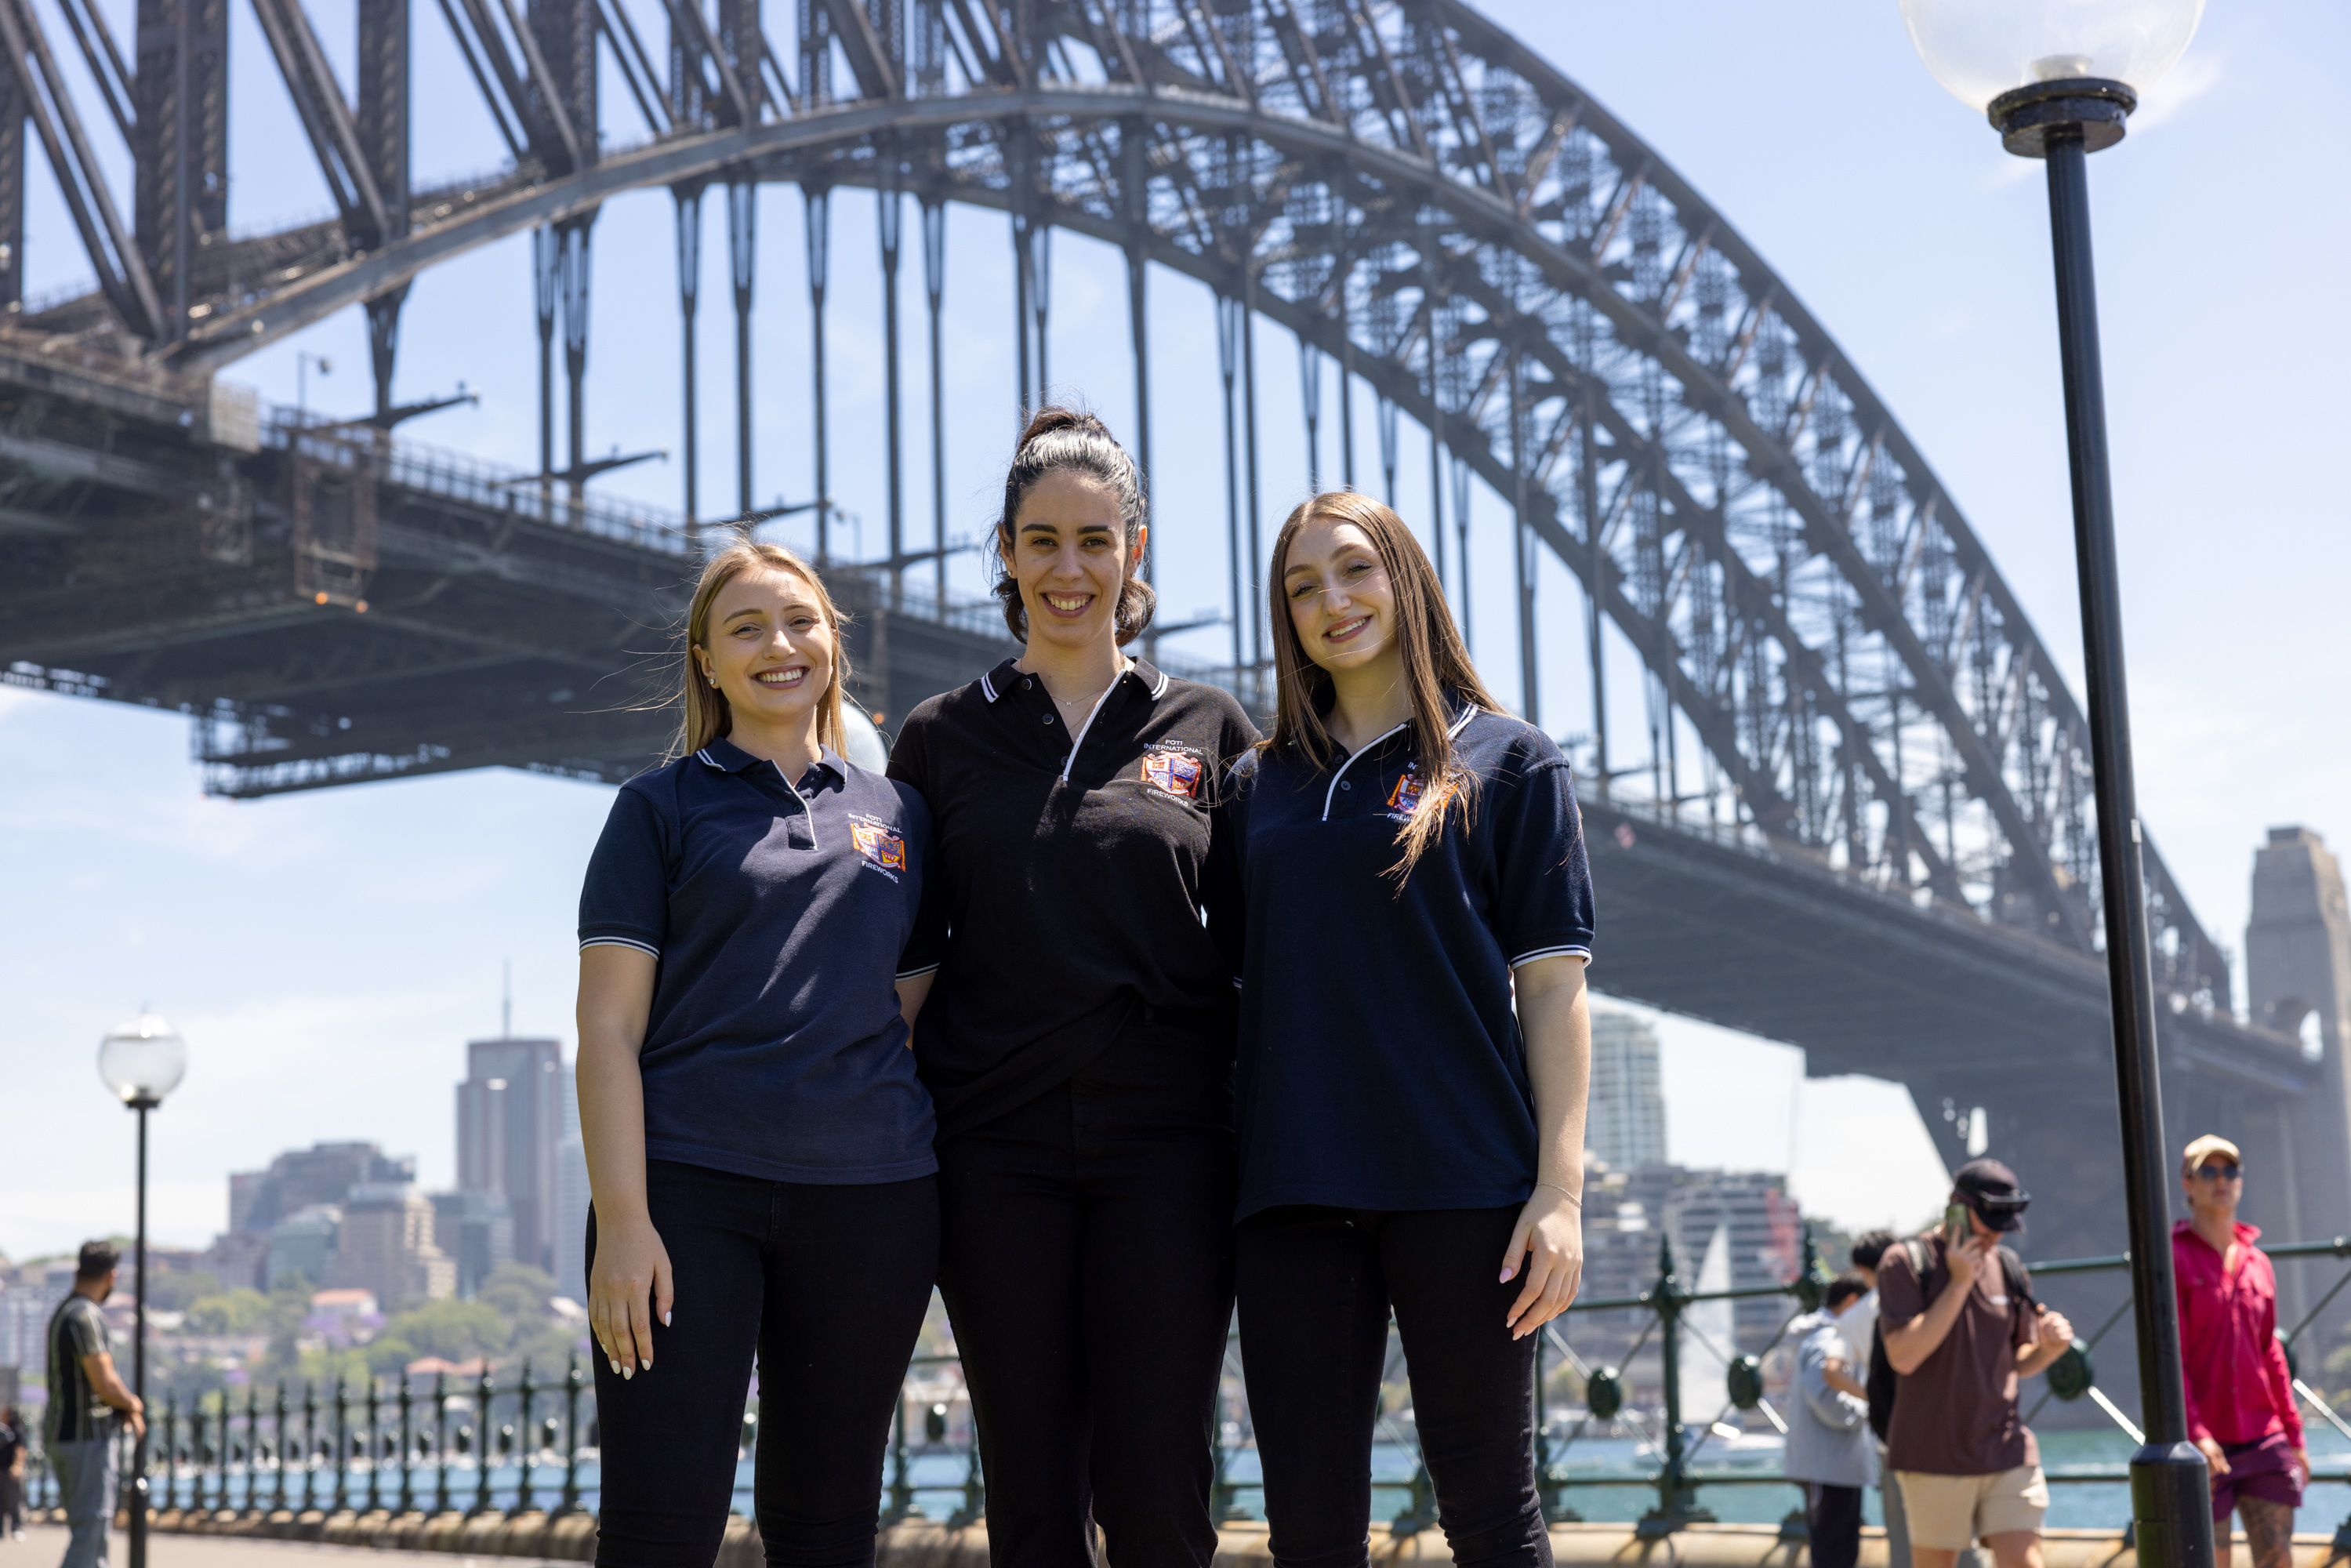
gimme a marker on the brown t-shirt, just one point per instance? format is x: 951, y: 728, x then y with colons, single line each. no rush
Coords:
x: 1957, y: 1415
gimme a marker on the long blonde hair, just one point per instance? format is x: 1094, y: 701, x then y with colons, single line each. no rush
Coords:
x: 1436, y: 668
x: 705, y: 714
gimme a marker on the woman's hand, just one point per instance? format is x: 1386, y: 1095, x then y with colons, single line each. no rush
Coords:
x: 628, y: 1287
x: 1549, y: 1238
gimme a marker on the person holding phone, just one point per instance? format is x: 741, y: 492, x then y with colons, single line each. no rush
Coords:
x: 2240, y: 1409
x: 1961, y: 1329
x: 754, y: 947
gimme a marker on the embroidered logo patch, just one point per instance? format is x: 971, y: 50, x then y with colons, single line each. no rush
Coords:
x: 1177, y: 772
x: 1405, y: 799
x: 880, y: 846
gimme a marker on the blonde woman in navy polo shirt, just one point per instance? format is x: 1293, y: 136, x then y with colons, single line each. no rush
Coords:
x: 1079, y: 1045
x: 751, y: 961
x: 1415, y: 1049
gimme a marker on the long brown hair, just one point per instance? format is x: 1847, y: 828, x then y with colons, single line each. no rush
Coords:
x: 1057, y: 439
x: 1436, y: 668
x: 705, y: 714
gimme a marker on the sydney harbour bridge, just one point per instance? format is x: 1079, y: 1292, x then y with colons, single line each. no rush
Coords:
x: 1859, y: 815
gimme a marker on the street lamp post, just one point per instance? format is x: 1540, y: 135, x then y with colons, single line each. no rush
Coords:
x: 2058, y: 81
x: 141, y: 1059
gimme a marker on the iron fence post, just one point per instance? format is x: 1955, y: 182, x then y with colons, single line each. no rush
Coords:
x: 1676, y: 1499
x: 571, y: 1382
x: 252, y: 1444
x: 441, y: 1440
x: 523, y: 1437
x: 343, y: 1444
x: 278, y: 1504
x: 309, y: 1446
x: 407, y: 1433
x: 374, y: 1423
x: 902, y: 1490
x: 485, y: 1391
x: 199, y: 1453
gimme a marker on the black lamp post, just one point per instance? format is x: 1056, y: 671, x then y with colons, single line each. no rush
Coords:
x: 2058, y: 81
x: 142, y: 1061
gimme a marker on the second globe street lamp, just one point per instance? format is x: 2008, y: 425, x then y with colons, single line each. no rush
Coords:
x: 2058, y: 79
x: 141, y: 1059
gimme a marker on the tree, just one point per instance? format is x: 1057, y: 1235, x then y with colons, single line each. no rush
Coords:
x: 454, y: 1331
x: 230, y: 1313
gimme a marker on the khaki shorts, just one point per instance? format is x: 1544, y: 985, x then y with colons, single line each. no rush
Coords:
x: 1950, y: 1514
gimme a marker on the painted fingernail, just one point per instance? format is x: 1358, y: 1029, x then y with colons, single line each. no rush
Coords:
x: 1506, y: 1275
x: 665, y: 1319
x: 627, y: 1373
x: 646, y: 1362
x: 616, y: 1366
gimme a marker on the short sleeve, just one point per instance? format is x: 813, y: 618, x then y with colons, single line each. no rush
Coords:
x: 910, y: 753
x: 86, y: 1330
x: 926, y: 941
x: 2023, y: 1323
x: 1544, y: 907
x: 1900, y: 1296
x: 625, y: 900
x: 1224, y: 896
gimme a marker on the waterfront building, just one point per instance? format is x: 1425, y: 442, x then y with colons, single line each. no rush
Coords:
x: 1625, y: 1124
x: 386, y: 1246
x: 303, y: 1246
x: 476, y: 1229
x: 511, y: 1116
x: 324, y: 1172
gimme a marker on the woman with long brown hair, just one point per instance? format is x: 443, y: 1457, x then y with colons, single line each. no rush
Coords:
x: 754, y: 947
x: 1414, y: 1044
x: 1079, y: 1044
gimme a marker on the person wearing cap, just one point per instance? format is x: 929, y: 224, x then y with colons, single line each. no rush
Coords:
x: 1961, y: 1329
x: 2240, y: 1409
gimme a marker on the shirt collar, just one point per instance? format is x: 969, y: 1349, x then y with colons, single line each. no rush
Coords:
x: 725, y: 756
x: 1152, y: 681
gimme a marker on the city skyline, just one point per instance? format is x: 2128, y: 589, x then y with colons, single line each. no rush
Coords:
x: 322, y: 952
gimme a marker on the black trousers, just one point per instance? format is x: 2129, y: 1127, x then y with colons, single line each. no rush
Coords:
x: 1316, y: 1287
x: 828, y: 1285
x: 1086, y: 1260
x: 1833, y: 1516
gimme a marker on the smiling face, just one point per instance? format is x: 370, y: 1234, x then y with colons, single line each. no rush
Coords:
x: 1342, y: 603
x: 769, y: 649
x: 1066, y: 553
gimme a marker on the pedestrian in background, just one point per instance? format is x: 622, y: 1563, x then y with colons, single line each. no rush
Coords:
x: 1831, y: 1449
x: 1415, y: 1050
x: 1961, y: 1329
x: 12, y: 1475
x: 1868, y: 1345
x: 87, y: 1404
x: 1079, y: 1044
x: 2240, y: 1409
x: 753, y: 953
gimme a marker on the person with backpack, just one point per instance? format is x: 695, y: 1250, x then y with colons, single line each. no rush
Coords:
x: 1961, y: 1329
x: 1831, y: 1449
x: 1860, y: 1325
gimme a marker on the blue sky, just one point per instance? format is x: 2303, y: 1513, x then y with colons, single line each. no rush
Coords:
x: 327, y: 955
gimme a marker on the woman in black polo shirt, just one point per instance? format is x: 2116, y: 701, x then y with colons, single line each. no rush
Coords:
x: 1412, y: 863
x: 1079, y: 1046
x: 751, y: 960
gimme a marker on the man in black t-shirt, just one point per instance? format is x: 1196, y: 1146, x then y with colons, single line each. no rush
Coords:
x: 84, y: 1394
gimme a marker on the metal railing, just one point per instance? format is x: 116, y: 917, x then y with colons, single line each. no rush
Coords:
x: 478, y: 1445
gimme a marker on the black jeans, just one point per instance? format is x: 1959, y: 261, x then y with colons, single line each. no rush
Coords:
x: 1833, y: 1518
x: 829, y: 1286
x: 1086, y: 1259
x: 1316, y: 1287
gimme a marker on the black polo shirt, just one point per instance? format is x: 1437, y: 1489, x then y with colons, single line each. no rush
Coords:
x: 1075, y: 876
x: 782, y: 916
x: 1381, y: 1064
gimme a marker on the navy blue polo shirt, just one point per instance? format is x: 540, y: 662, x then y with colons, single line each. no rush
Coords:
x: 782, y: 916
x: 1381, y: 1064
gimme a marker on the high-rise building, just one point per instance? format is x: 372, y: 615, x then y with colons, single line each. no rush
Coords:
x: 477, y: 1228
x: 387, y: 1247
x: 572, y: 1200
x: 303, y: 1247
x: 511, y: 1114
x: 298, y: 1179
x: 1625, y: 1124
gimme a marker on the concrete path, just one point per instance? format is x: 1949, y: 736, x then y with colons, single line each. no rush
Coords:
x: 44, y: 1546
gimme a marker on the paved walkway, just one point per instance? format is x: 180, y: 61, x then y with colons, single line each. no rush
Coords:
x: 44, y: 1546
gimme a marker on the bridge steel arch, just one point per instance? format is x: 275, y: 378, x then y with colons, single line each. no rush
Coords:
x: 1409, y: 189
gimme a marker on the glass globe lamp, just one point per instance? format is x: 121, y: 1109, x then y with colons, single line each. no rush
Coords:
x: 143, y: 1059
x: 1979, y: 49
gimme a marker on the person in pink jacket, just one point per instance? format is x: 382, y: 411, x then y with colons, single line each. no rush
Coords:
x: 2240, y: 1409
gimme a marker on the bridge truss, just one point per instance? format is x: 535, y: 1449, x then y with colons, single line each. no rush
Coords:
x: 1834, y: 664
